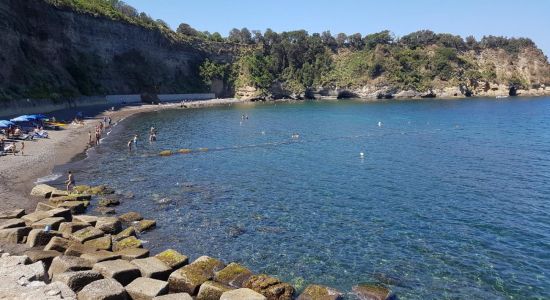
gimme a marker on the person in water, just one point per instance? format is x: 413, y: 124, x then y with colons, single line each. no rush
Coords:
x: 130, y: 142
x: 135, y: 139
x: 70, y: 181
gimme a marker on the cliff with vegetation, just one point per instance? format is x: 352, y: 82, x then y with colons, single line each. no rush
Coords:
x: 61, y: 49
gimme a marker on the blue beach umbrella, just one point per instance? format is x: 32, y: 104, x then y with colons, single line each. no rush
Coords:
x: 6, y: 124
x: 37, y: 117
x: 23, y: 118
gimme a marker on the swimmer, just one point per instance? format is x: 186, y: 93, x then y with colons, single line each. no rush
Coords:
x: 379, y: 124
x: 135, y: 139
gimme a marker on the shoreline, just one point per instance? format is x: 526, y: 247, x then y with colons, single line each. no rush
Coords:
x: 19, y: 173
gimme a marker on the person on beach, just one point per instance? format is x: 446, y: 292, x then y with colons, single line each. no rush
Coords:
x: 14, y: 148
x: 130, y: 142
x: 70, y: 181
x: 90, y: 142
x: 22, y: 148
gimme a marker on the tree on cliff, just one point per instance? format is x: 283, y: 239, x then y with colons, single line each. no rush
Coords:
x: 186, y: 29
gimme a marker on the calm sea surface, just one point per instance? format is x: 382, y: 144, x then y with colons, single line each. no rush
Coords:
x: 451, y: 199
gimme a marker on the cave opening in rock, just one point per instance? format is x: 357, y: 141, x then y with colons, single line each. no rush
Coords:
x: 512, y: 91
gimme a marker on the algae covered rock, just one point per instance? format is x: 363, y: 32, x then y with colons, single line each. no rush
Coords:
x: 165, y: 153
x: 108, y: 202
x: 234, y: 275
x: 131, y: 216
x: 81, y: 189
x: 189, y: 278
x: 172, y: 258
x: 185, y: 151
x: 128, y: 232
x: 145, y: 225
x: 129, y: 242
x: 272, y: 288
x: 101, y: 243
x: 212, y: 290
x: 372, y: 291
x: 319, y: 292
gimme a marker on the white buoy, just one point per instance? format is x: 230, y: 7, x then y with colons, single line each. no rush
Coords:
x: 361, y: 154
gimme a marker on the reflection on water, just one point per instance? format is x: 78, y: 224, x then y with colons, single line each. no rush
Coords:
x: 450, y: 199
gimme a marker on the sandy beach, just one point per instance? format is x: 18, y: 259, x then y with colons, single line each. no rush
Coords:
x: 18, y: 173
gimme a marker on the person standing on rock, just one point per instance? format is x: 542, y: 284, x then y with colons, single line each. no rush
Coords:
x: 70, y: 181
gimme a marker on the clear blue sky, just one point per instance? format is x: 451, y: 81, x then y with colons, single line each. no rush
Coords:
x: 525, y: 18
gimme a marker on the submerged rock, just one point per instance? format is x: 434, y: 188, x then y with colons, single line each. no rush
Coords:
x: 372, y: 291
x: 131, y: 216
x: 165, y: 153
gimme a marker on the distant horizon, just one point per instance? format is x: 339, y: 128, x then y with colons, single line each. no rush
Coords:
x: 498, y: 18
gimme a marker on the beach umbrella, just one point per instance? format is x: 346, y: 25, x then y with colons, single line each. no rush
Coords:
x: 5, y: 123
x: 37, y: 117
x: 23, y: 118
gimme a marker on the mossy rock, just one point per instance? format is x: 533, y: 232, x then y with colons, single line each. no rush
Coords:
x: 105, y: 210
x: 234, y: 275
x: 86, y: 234
x: 131, y: 216
x: 129, y: 242
x: 173, y: 258
x: 165, y: 153
x: 102, y: 243
x: 270, y: 287
x: 81, y: 189
x: 100, y: 190
x: 319, y: 292
x: 145, y: 225
x: 372, y: 291
x: 108, y: 202
x: 128, y: 232
x: 185, y: 151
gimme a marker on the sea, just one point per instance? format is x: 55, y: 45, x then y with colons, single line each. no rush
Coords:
x: 434, y: 199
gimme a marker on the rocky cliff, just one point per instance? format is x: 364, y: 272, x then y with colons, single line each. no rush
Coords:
x: 50, y: 52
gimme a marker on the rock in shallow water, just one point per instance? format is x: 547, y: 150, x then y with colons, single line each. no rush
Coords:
x: 272, y: 288
x: 319, y: 292
x: 372, y: 291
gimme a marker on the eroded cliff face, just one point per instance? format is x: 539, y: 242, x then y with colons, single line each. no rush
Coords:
x: 46, y: 51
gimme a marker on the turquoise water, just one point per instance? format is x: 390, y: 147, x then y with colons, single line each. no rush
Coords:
x: 450, y: 201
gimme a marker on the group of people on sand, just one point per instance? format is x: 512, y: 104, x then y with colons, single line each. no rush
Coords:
x: 99, y: 128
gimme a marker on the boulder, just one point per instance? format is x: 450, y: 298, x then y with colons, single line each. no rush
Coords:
x: 81, y: 189
x: 100, y: 190
x: 68, y: 228
x: 212, y: 290
x: 234, y: 275
x: 146, y: 288
x: 120, y: 270
x: 109, y: 225
x: 54, y: 290
x: 7, y: 261
x: 35, y: 216
x: 12, y: 214
x: 99, y: 256
x: 129, y: 242
x: 131, y: 216
x: 76, y: 207
x: 39, y: 237
x: 45, y: 256
x: 66, y: 263
x: 43, y: 190
x: 173, y: 259
x: 14, y: 235
x: 177, y: 296
x: 86, y: 234
x: 105, y: 210
x: 371, y: 291
x: 144, y: 225
x: 189, y: 278
x: 319, y: 292
x: 108, y: 202
x: 103, y: 289
x: 130, y: 254
x: 41, y: 206
x: 151, y: 267
x: 102, y: 243
x: 11, y: 223
x: 128, y: 232
x: 272, y: 288
x: 77, y: 249
x: 77, y: 280
x: 58, y: 244
x: 241, y: 294
x: 52, y: 222
x: 85, y: 219
x: 61, y: 213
